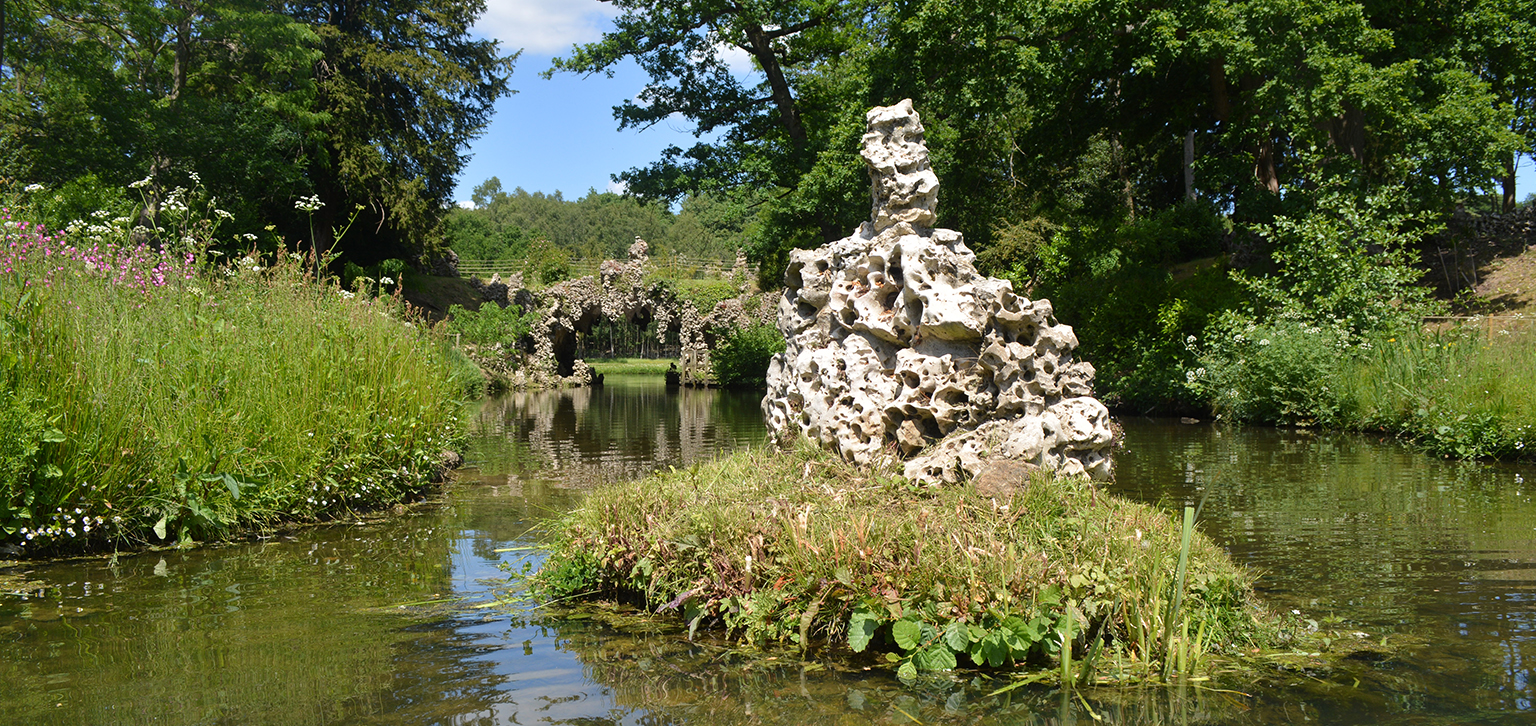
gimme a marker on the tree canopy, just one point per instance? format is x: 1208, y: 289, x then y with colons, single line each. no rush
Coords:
x: 366, y: 105
x: 1106, y: 108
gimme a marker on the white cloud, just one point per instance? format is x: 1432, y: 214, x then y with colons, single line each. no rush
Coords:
x: 617, y: 187
x: 738, y: 60
x: 466, y: 205
x: 545, y: 27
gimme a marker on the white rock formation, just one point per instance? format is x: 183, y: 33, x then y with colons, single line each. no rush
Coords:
x: 896, y: 343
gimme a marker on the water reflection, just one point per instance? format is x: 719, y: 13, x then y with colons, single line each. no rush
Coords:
x: 1379, y: 536
x: 623, y: 430
x: 344, y: 624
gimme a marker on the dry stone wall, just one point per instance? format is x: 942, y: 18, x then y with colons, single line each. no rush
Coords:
x: 896, y: 345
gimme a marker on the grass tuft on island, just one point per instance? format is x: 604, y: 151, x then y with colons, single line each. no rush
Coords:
x: 802, y: 548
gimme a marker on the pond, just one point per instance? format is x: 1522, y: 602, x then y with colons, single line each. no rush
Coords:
x: 383, y: 623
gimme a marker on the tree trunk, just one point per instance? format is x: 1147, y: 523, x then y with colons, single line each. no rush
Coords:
x: 1508, y: 183
x: 762, y: 49
x: 1264, y: 166
x: 1221, y: 106
x: 2, y: 38
x: 1189, y: 165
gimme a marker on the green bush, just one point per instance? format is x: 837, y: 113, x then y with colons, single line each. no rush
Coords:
x: 1277, y: 372
x: 741, y: 358
x: 491, y: 324
x: 1342, y: 277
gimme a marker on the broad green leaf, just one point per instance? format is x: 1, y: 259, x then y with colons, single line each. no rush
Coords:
x: 53, y: 436
x: 861, y: 630
x: 996, y: 652
x: 957, y: 636
x: 937, y: 657
x: 908, y: 634
x: 233, y: 486
x: 907, y: 671
x: 160, y: 528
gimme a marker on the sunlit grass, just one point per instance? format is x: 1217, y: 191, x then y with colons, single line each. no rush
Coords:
x: 631, y: 366
x: 160, y: 398
x: 800, y: 547
x: 1465, y: 392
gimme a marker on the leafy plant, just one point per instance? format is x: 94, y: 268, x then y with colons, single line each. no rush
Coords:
x: 741, y: 357
x: 492, y: 324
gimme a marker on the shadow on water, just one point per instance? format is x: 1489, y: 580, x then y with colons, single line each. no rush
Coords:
x: 378, y: 624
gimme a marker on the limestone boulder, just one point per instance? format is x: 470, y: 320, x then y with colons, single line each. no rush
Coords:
x: 897, y: 346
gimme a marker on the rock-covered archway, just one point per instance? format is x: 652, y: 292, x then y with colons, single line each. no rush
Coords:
x: 621, y: 291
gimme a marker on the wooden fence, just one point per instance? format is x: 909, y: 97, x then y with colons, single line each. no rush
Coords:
x: 677, y: 266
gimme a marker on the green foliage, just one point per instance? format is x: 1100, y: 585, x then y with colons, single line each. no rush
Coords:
x: 23, y: 431
x: 1342, y: 276
x: 740, y: 359
x: 492, y: 324
x: 800, y: 547
x: 1345, y: 261
x: 1278, y: 371
x: 1133, y: 293
x: 601, y: 225
x: 155, y: 395
x: 360, y: 104
x: 704, y: 294
x: 1467, y: 392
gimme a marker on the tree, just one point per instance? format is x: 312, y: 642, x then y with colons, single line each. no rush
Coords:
x: 124, y: 90
x: 405, y: 89
x: 365, y: 104
x: 771, y: 130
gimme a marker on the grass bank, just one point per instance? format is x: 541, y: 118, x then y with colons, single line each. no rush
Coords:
x: 1463, y: 392
x: 149, y: 396
x: 631, y: 366
x: 799, y: 547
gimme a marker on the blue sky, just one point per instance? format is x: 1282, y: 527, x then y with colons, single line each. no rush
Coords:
x: 559, y: 134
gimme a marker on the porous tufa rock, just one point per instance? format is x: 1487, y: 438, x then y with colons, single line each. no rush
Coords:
x: 896, y: 344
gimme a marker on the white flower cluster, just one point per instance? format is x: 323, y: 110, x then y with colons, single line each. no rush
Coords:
x: 310, y: 203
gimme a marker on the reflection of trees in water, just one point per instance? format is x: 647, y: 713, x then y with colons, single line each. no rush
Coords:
x: 1379, y: 534
x: 278, y: 633
x: 610, y: 433
x: 681, y: 682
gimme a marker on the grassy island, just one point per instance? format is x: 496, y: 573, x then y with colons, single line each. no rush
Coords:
x: 799, y: 547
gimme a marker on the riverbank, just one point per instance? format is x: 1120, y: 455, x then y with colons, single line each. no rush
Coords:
x: 154, y: 397
x: 799, y: 547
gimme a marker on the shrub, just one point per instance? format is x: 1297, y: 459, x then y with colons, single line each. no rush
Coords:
x: 492, y: 324
x: 1342, y: 277
x: 741, y: 358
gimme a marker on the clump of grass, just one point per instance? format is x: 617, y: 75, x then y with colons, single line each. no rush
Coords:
x: 1462, y: 392
x: 797, y: 547
x: 151, y: 396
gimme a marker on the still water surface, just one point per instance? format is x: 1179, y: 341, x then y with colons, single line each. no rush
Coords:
x: 377, y: 624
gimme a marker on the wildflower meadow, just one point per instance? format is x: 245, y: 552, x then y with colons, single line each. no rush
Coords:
x: 155, y: 392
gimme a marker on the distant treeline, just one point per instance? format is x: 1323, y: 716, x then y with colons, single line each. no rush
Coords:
x: 546, y: 230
